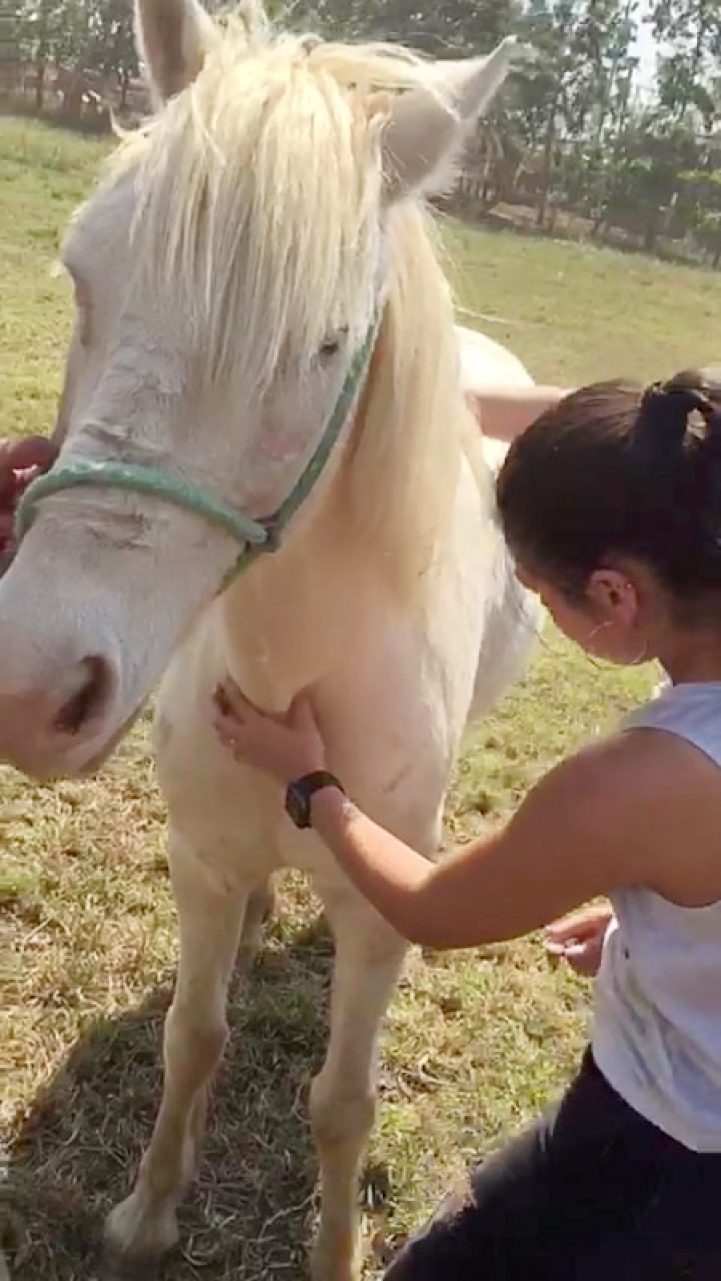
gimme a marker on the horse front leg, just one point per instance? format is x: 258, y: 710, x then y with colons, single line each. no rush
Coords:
x: 368, y: 960
x: 210, y: 913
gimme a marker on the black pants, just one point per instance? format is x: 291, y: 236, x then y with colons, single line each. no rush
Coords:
x: 592, y: 1192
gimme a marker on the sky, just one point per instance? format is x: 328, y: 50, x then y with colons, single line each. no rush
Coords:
x: 646, y: 47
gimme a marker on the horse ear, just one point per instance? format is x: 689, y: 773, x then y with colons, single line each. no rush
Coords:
x: 172, y: 38
x: 427, y: 129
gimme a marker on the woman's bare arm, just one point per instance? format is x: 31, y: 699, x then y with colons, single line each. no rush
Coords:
x: 505, y: 412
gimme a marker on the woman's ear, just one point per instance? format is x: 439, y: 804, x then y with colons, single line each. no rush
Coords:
x: 614, y: 595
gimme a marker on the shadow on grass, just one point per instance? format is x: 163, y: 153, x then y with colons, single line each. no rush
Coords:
x: 250, y: 1213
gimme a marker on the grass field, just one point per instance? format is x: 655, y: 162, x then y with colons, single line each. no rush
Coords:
x: 475, y: 1043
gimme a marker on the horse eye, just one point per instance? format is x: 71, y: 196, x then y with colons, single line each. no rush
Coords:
x: 329, y: 348
x: 332, y: 344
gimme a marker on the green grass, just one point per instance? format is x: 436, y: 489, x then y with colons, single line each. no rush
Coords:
x: 475, y: 1043
x: 44, y: 174
x: 575, y: 313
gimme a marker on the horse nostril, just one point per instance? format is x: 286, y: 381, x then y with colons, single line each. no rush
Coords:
x: 88, y: 700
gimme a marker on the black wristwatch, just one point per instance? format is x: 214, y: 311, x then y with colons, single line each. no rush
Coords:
x: 301, y: 791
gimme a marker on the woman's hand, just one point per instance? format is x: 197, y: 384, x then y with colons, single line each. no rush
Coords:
x: 20, y: 462
x: 578, y: 938
x: 286, y: 747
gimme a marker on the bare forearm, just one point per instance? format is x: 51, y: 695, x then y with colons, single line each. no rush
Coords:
x: 496, y: 888
x: 385, y: 870
x: 425, y: 902
x: 505, y: 412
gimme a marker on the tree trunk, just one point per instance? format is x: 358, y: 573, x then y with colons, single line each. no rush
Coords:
x: 545, y: 184
x: 41, y: 57
x: 650, y: 235
x: 40, y: 86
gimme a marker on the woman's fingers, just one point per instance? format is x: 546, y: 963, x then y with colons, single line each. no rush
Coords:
x: 231, y: 702
x: 220, y: 700
x: 33, y: 454
x: 229, y: 699
x: 302, y: 717
x: 556, y: 947
x: 8, y: 479
x: 33, y: 451
x: 233, y: 736
x: 578, y: 925
x: 223, y: 725
x: 237, y: 721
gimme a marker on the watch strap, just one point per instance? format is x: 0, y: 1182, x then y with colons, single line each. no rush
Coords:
x: 302, y: 790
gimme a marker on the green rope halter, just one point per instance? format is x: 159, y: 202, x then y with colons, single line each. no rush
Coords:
x: 257, y: 535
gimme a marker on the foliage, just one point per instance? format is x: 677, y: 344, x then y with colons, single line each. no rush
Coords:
x: 585, y: 139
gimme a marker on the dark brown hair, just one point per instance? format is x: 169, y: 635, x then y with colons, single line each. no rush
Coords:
x: 615, y: 471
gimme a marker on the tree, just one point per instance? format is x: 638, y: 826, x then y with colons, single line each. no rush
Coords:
x: 446, y: 28
x: 110, y: 41
x: 701, y: 205
x: 47, y: 31
x: 692, y: 31
x: 573, y: 99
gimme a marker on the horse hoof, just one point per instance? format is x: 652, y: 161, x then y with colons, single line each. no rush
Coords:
x: 136, y: 1240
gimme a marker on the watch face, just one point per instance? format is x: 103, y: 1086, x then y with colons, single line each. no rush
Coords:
x: 297, y: 806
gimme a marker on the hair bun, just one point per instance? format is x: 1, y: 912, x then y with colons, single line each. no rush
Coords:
x: 667, y: 406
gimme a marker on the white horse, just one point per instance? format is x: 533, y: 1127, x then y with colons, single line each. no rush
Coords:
x: 263, y: 327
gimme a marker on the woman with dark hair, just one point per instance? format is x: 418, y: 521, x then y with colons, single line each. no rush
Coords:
x: 611, y: 505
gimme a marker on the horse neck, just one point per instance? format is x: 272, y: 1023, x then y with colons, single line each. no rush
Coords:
x: 287, y: 620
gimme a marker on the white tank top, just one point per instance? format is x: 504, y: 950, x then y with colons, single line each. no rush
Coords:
x: 657, y: 1030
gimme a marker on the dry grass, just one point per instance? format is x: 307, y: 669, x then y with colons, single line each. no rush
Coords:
x: 474, y: 1043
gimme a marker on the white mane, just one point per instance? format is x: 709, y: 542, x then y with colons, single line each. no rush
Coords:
x: 259, y: 214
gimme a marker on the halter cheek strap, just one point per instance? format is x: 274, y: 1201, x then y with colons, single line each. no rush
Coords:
x: 256, y: 535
